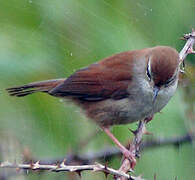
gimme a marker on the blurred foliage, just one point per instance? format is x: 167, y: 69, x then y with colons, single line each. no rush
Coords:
x: 51, y: 39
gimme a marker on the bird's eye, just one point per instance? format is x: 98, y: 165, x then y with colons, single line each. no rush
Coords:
x: 148, y: 72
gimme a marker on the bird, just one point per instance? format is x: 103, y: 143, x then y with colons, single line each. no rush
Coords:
x: 124, y: 88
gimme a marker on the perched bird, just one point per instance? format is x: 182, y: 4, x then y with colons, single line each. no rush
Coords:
x: 120, y: 89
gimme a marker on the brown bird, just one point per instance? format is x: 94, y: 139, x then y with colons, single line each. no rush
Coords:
x: 120, y: 89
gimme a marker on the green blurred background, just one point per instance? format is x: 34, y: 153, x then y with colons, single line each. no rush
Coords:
x: 42, y: 39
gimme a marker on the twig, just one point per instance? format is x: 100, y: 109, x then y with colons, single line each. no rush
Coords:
x: 62, y: 167
x: 188, y: 47
x: 134, y: 148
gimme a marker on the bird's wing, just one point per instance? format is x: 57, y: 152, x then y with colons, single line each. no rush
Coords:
x: 107, y: 79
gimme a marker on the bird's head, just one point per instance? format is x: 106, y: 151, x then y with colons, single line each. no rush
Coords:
x: 162, y: 68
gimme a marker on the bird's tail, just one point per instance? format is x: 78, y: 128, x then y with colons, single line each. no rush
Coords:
x: 41, y: 86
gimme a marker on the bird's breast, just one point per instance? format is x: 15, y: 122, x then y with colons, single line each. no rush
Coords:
x: 137, y: 106
x: 164, y: 96
x: 140, y: 102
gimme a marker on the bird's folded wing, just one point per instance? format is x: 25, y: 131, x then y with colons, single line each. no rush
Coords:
x: 107, y: 79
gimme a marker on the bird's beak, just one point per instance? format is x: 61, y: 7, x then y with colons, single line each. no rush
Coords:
x: 155, y: 93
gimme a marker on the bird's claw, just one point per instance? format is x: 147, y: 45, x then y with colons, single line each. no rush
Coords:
x: 131, y: 157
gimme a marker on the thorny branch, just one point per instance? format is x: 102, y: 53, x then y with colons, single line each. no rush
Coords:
x: 188, y: 48
x: 134, y: 146
x: 62, y: 167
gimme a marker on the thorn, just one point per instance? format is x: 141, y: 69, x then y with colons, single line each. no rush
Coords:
x: 130, y: 178
x: 187, y: 36
x: 63, y: 163
x: 106, y: 174
x: 106, y: 170
x: 36, y: 165
x: 64, y: 160
x: 131, y: 170
x: 138, y: 177
x: 181, y: 71
x: 183, y: 65
x: 182, y: 38
x: 138, y: 155
x: 79, y: 173
x: 133, y: 131
x: 115, y: 177
x: 190, y: 50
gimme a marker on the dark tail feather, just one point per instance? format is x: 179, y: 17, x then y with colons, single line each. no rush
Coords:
x: 42, y: 86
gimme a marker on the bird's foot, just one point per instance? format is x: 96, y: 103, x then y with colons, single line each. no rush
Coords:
x: 127, y: 154
x: 130, y: 156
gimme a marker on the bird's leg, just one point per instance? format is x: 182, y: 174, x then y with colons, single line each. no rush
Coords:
x: 128, y: 154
